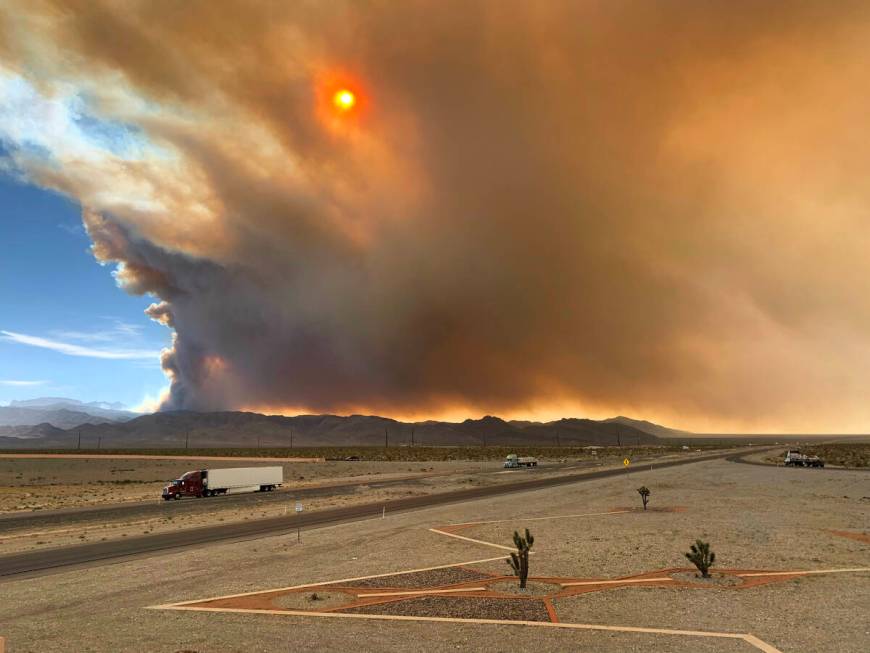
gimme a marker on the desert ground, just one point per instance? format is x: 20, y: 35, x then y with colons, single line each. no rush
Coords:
x: 758, y: 519
x: 41, y: 483
x: 41, y: 487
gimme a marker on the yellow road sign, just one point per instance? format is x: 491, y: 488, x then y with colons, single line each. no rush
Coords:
x: 626, y: 462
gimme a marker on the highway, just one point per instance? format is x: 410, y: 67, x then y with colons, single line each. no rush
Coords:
x: 156, y: 508
x: 137, y: 510
x: 56, y: 560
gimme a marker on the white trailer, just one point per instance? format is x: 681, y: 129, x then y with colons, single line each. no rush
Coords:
x: 242, y: 479
x: 513, y: 461
x: 211, y: 482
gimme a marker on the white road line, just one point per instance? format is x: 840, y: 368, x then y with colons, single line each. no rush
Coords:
x: 616, y: 582
x: 104, y: 527
x: 471, y: 539
x: 750, y: 639
x: 321, y: 584
x: 803, y: 572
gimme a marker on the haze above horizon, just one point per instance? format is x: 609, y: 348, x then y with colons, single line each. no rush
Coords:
x: 570, y: 210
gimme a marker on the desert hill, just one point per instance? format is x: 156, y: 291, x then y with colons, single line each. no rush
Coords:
x: 235, y: 428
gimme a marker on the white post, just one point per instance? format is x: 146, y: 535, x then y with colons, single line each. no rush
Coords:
x: 384, y: 513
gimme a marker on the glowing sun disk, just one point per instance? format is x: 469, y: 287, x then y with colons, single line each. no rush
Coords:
x: 344, y: 100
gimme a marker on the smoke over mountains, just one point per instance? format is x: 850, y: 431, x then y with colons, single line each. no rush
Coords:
x: 178, y: 429
x: 542, y: 208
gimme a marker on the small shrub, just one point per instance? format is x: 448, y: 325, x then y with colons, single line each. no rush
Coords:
x: 519, y: 561
x: 644, y: 493
x: 702, y: 557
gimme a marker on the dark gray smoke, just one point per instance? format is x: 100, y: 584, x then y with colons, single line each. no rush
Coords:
x: 535, y: 208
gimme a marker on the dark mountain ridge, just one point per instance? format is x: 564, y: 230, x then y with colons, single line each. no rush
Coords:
x: 236, y: 428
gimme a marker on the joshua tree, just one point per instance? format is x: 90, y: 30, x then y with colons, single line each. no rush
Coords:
x: 519, y: 561
x: 702, y: 557
x: 644, y: 493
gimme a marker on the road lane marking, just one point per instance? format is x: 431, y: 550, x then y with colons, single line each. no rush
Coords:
x: 471, y: 539
x: 328, y: 582
x: 749, y: 639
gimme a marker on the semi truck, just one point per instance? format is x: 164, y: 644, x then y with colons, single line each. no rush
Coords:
x: 212, y: 482
x: 794, y: 458
x: 514, y: 461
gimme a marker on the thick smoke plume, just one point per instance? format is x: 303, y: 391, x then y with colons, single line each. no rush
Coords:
x: 536, y: 208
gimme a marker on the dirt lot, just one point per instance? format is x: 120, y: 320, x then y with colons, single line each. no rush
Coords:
x: 747, y: 513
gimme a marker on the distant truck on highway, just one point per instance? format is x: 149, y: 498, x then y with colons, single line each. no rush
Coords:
x: 513, y: 461
x: 211, y: 482
x: 794, y: 458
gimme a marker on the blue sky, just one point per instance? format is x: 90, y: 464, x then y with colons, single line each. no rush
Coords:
x: 66, y: 329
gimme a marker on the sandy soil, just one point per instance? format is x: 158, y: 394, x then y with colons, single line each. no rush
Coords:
x: 28, y: 484
x: 434, y: 477
x: 754, y: 518
x: 464, y: 608
x: 46, y: 484
x: 314, y: 600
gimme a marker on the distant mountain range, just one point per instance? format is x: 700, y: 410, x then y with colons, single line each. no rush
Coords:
x: 61, y: 412
x: 174, y: 428
x: 648, y: 427
x: 44, y: 402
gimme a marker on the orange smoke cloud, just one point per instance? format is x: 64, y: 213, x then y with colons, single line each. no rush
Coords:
x: 532, y: 209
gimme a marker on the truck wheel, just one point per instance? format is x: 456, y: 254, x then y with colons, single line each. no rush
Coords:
x: 177, y: 497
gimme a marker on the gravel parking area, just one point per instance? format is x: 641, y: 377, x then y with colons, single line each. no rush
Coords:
x: 533, y: 588
x: 462, y: 607
x: 428, y: 579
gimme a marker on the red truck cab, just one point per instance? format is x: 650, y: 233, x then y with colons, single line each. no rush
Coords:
x: 190, y: 484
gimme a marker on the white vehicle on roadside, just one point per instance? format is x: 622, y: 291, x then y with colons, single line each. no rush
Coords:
x: 794, y: 458
x: 514, y: 462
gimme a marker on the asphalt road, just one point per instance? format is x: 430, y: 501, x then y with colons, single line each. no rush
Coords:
x: 61, y: 559
x: 828, y: 468
x: 137, y: 510
x: 189, y: 505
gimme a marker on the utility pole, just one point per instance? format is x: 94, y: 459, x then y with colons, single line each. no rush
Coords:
x: 80, y: 440
x: 386, y: 438
x: 412, y: 436
x: 291, y: 438
x: 618, y: 443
